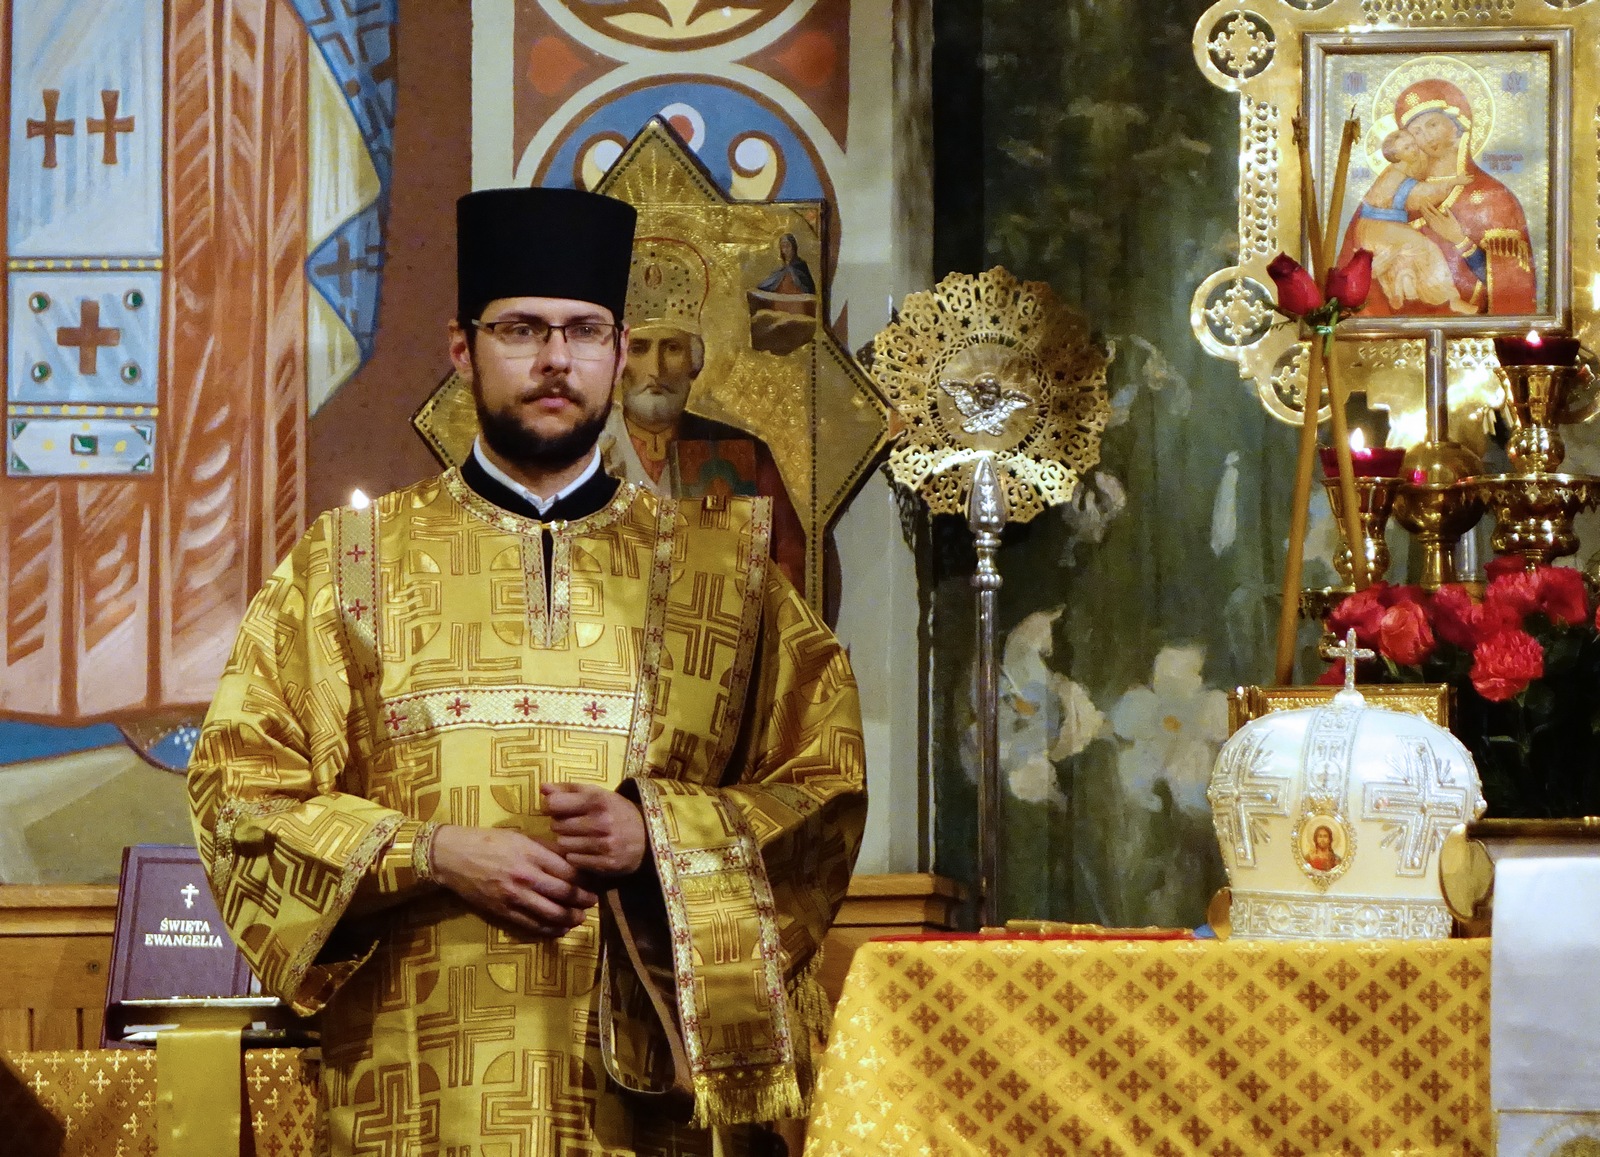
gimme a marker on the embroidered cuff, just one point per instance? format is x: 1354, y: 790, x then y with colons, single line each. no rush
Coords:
x: 422, y: 851
x: 408, y: 860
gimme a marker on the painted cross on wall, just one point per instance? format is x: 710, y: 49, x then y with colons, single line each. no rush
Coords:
x: 196, y: 198
x: 85, y: 240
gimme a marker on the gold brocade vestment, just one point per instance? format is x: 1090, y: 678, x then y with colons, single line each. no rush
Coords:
x: 404, y: 668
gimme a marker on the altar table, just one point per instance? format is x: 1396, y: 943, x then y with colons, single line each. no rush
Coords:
x: 1040, y: 1045
x: 101, y: 1103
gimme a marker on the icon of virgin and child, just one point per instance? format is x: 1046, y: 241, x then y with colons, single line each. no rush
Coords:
x: 1447, y: 238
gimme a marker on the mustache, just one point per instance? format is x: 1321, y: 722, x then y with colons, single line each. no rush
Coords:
x: 550, y: 388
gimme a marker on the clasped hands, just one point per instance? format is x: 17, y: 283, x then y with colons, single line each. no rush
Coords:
x: 544, y: 889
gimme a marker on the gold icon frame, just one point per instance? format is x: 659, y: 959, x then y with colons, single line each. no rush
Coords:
x: 1277, y: 55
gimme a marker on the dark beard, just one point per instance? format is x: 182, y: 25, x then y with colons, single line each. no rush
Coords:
x: 515, y: 443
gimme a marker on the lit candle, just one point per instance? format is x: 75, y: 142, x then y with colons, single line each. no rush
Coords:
x: 359, y: 499
x: 1534, y: 349
x: 1366, y: 461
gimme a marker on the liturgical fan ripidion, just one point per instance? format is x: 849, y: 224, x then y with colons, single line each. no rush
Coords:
x: 1002, y: 392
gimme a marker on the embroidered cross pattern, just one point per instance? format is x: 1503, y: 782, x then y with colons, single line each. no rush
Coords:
x: 50, y: 128
x: 1248, y: 796
x: 110, y: 125
x: 458, y: 707
x: 1417, y: 808
x: 88, y: 337
x: 395, y: 719
x: 594, y: 710
x: 526, y: 706
x: 357, y: 609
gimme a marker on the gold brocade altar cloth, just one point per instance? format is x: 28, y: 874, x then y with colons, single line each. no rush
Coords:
x: 1044, y: 1045
x: 102, y: 1103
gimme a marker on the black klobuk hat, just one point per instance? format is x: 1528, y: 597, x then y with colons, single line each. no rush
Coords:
x: 534, y: 242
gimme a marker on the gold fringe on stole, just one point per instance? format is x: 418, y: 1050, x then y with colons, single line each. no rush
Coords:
x: 810, y: 1019
x: 812, y: 1010
x: 739, y: 1096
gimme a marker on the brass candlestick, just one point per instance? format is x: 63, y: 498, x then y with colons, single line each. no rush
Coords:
x: 1375, y: 499
x: 1432, y: 504
x: 1534, y: 512
x: 1536, y: 404
x: 1535, y: 504
x: 1436, y: 508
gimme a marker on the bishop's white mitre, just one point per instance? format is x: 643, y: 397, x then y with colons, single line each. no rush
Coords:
x: 1331, y: 818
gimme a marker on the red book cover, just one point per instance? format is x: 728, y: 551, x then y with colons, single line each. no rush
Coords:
x: 169, y: 939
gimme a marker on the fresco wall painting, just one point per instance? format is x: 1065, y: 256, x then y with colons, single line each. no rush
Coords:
x: 195, y: 201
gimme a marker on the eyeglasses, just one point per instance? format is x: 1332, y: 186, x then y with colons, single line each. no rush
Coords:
x: 526, y: 336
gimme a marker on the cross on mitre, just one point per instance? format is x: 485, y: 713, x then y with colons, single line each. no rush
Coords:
x: 1351, y: 654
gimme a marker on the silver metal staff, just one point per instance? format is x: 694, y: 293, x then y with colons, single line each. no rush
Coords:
x: 986, y: 515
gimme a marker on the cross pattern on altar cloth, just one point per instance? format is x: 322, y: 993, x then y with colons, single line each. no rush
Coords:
x: 1419, y: 808
x: 88, y: 337
x: 110, y: 125
x: 50, y: 128
x: 1253, y: 798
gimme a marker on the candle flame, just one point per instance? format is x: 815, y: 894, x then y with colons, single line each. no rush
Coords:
x: 1533, y: 337
x: 359, y: 499
x: 1358, y: 441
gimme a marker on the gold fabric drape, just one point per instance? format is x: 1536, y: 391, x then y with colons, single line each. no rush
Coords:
x: 1051, y: 1046
x: 102, y: 1103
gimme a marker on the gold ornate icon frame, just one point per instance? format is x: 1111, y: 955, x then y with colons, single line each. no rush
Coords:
x: 1282, y: 56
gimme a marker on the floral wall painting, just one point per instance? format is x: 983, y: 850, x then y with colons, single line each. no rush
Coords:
x: 197, y: 196
x: 1462, y: 149
x: 1108, y: 167
x: 1171, y: 729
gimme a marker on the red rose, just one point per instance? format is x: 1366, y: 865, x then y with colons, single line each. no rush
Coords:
x: 1363, y: 611
x: 1518, y: 591
x: 1491, y: 619
x: 1453, y: 616
x: 1298, y: 294
x: 1404, y: 634
x: 1504, y: 564
x: 1505, y: 664
x: 1562, y: 597
x: 1349, y: 284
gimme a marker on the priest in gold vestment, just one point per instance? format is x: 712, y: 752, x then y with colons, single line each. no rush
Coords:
x: 455, y: 720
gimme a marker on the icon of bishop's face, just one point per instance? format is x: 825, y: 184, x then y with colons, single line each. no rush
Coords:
x: 663, y: 362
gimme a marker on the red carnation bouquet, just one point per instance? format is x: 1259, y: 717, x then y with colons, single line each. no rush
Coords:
x: 1524, y: 660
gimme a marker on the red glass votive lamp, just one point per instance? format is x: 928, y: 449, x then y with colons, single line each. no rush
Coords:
x: 1534, y: 349
x: 1365, y: 461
